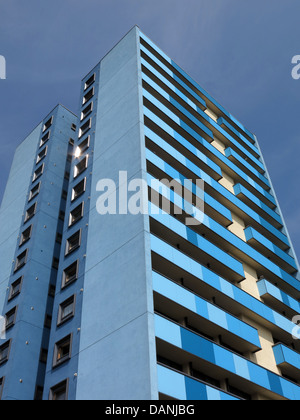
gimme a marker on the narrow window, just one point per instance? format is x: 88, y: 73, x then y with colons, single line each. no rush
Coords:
x: 38, y: 173
x: 34, y: 192
x: 45, y: 138
x: 4, y: 352
x: 86, y: 111
x: 82, y: 147
x: 73, y: 127
x: 43, y: 355
x: 21, y: 260
x: 79, y: 189
x: 81, y: 167
x: 66, y: 310
x: 30, y: 212
x: 62, y: 351
x: 59, y: 392
x: 26, y: 235
x: 73, y: 242
x: 70, y: 274
x: 48, y: 124
x: 85, y: 128
x: 55, y: 263
x: 15, y: 288
x: 76, y: 214
x: 42, y: 155
x: 90, y: 81
x: 48, y: 321
x: 10, y: 318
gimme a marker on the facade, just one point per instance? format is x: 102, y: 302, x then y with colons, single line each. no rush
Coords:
x: 145, y: 306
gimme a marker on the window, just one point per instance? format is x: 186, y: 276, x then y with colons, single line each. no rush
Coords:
x: 62, y: 215
x: 4, y: 352
x: 34, y: 192
x: 30, y: 212
x: 70, y: 274
x: 90, y: 81
x: 58, y: 238
x: 1, y: 387
x: 10, y: 318
x: 21, y: 260
x: 83, y: 146
x: 59, y: 392
x: 42, y: 155
x: 26, y: 235
x: 64, y: 195
x: 76, y: 214
x: 15, y: 288
x: 81, y: 167
x: 45, y: 138
x: 73, y: 242
x: 85, y: 128
x: 66, y: 310
x: 62, y: 351
x: 79, y: 189
x: 86, y: 111
x: 88, y: 96
x: 38, y: 173
x: 48, y: 124
x: 73, y: 127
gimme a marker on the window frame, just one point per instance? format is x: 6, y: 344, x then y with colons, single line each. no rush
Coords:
x: 12, y: 295
x: 84, y: 128
x: 37, y: 176
x: 88, y: 83
x: 73, y: 198
x: 45, y: 138
x: 48, y: 124
x: 72, y: 223
x: 87, y: 111
x: 22, y: 241
x: 5, y: 345
x: 44, y: 151
x: 64, y: 283
x: 54, y: 389
x: 57, y: 346
x: 60, y: 319
x: 18, y: 267
x: 37, y: 187
x: 13, y: 311
x: 26, y: 218
x: 78, y: 172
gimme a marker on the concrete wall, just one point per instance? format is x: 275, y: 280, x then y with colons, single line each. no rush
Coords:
x: 117, y: 346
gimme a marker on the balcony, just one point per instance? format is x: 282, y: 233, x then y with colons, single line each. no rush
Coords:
x: 179, y: 303
x: 175, y: 339
x: 248, y: 144
x: 172, y: 263
x: 175, y: 70
x: 271, y: 251
x: 215, y: 189
x: 288, y: 361
x: 258, y: 206
x: 186, y: 122
x: 277, y: 299
x: 247, y: 168
x: 176, y: 385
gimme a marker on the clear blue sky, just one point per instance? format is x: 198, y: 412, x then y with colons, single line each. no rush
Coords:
x: 239, y: 51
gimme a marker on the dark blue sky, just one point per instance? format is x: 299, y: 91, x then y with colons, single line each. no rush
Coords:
x: 239, y: 51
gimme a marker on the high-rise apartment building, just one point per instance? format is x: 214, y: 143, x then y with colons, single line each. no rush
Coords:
x: 143, y: 305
